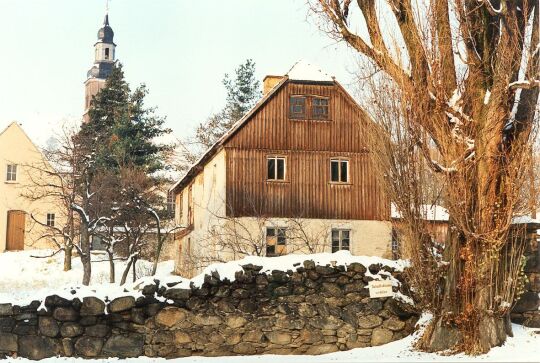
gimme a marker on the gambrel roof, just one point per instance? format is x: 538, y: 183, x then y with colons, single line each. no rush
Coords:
x: 301, y: 72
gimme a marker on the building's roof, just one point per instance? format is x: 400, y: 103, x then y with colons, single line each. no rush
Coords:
x: 429, y: 212
x: 306, y: 71
x: 106, y: 34
x: 301, y: 72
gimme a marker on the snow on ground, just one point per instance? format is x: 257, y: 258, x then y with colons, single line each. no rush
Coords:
x: 25, y: 278
x: 523, y: 347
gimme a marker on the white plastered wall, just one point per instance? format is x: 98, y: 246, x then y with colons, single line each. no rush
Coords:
x: 16, y: 148
x: 208, y: 194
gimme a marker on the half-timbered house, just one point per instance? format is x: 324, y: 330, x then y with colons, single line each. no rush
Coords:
x: 293, y: 175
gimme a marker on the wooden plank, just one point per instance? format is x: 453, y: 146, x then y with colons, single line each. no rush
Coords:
x: 16, y: 223
x: 308, y: 146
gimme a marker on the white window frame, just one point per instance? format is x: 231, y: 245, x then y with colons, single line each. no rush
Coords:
x: 340, y: 237
x: 11, y: 173
x: 276, y: 158
x: 51, y: 219
x: 340, y: 161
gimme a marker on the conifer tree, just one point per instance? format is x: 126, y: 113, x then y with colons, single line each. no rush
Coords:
x: 243, y: 91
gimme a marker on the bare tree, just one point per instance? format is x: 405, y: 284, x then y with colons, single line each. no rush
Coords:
x: 464, y: 78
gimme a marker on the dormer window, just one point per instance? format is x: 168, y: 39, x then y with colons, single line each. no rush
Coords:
x: 319, y: 108
x: 309, y: 107
x: 297, y: 108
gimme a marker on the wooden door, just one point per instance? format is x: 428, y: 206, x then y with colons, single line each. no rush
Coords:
x: 15, y: 230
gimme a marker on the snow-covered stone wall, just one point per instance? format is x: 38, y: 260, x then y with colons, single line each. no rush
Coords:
x: 306, y: 308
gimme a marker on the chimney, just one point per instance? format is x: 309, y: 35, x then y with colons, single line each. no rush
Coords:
x: 269, y: 82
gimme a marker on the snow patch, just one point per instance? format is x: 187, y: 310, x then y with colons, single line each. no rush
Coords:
x: 306, y: 71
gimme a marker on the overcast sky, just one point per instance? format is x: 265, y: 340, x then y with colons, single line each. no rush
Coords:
x: 180, y: 48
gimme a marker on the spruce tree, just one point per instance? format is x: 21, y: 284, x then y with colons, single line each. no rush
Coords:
x: 121, y: 131
x: 243, y: 91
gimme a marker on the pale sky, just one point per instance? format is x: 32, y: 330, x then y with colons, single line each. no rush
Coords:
x: 180, y: 48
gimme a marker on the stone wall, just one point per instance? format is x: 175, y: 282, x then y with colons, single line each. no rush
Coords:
x: 526, y: 309
x: 313, y: 310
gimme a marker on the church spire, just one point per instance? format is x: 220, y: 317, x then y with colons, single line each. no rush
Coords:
x: 104, y: 59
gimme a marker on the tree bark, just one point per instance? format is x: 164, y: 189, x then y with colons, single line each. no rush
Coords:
x: 126, y: 272
x: 68, y: 253
x: 85, y: 254
x: 111, y: 267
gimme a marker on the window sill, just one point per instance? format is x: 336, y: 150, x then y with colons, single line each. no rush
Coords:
x: 303, y: 119
x: 270, y: 181
x: 11, y: 182
x: 340, y: 184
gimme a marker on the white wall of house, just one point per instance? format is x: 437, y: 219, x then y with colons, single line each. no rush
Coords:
x: 17, y: 149
x: 208, y: 204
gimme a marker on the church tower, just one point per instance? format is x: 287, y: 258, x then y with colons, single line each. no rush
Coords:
x: 103, y: 64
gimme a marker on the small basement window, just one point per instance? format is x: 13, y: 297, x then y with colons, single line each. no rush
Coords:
x: 339, y: 171
x: 276, y: 168
x: 341, y: 240
x: 276, y: 242
x: 319, y: 108
x: 297, y: 107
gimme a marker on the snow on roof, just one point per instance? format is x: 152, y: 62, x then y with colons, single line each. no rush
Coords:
x: 305, y: 71
x: 430, y: 212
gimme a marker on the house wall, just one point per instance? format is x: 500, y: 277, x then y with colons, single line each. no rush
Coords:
x: 208, y: 205
x: 308, y: 146
x: 16, y: 148
x: 247, y: 235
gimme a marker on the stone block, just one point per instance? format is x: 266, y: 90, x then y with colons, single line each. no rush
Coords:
x: 6, y: 309
x: 369, y: 321
x: 381, y: 336
x: 98, y: 331
x: 8, y: 342
x: 245, y: 348
x: 181, y: 337
x: 38, y: 347
x: 65, y: 314
x: 124, y: 346
x: 170, y: 316
x: 394, y: 324
x: 88, y: 346
x: 277, y: 337
x: 70, y: 330
x: 235, y: 321
x: 322, y: 349
x: 92, y: 306
x: 121, y: 304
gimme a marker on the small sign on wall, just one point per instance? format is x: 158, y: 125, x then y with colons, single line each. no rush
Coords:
x: 380, y: 288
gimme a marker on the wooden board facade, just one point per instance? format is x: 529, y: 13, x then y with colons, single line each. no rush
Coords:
x: 308, y: 146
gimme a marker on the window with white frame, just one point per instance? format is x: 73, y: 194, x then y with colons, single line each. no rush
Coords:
x: 339, y: 170
x: 276, y: 241
x: 276, y: 168
x: 341, y: 240
x: 11, y: 172
x: 51, y: 219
